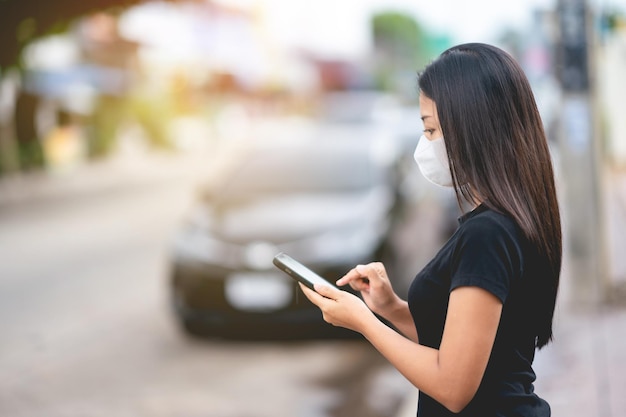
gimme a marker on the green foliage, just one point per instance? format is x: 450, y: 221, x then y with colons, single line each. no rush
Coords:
x: 398, y: 36
x: 401, y: 46
x: 614, y: 21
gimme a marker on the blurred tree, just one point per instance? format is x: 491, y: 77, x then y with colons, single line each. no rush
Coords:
x: 612, y: 22
x: 22, y: 22
x: 398, y: 37
x: 401, y: 47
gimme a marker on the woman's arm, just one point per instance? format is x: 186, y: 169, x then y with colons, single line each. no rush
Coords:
x: 452, y: 374
x: 399, y: 316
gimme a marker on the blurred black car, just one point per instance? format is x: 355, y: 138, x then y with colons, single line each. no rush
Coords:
x: 326, y: 202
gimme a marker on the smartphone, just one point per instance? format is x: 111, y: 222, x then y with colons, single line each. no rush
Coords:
x: 299, y: 272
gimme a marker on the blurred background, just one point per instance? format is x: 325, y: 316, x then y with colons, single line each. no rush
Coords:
x: 156, y: 155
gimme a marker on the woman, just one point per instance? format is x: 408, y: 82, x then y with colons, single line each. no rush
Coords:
x: 475, y: 314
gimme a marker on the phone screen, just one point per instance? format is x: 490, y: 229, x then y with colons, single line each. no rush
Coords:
x: 298, y: 271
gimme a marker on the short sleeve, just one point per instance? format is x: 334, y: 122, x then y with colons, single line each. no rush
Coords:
x: 487, y: 255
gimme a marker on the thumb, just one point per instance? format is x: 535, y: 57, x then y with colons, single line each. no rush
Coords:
x: 326, y: 291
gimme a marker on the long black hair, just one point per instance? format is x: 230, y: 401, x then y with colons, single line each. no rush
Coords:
x: 498, y: 152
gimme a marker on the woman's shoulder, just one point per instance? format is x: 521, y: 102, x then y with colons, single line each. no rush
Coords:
x: 488, y: 223
x: 485, y: 215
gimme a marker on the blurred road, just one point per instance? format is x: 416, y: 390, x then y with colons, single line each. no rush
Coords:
x: 86, y: 330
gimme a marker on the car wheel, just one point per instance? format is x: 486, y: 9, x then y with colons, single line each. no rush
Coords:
x: 189, y: 325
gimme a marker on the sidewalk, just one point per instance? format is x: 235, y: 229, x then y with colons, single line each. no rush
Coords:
x: 583, y: 372
x: 121, y: 171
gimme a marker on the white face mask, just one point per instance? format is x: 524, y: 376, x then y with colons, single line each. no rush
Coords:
x: 432, y: 159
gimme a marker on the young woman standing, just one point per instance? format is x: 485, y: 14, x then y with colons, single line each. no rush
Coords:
x: 476, y: 313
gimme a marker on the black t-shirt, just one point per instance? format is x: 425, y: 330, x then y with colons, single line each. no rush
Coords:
x: 489, y: 251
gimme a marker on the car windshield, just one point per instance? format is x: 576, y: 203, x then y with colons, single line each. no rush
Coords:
x: 306, y: 169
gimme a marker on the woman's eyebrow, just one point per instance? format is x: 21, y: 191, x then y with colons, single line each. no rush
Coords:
x: 425, y: 117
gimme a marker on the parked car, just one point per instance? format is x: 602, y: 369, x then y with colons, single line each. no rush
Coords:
x: 326, y: 202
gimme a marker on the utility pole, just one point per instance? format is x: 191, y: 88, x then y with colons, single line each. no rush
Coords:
x: 580, y: 152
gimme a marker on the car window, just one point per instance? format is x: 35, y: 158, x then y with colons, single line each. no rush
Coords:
x: 299, y: 170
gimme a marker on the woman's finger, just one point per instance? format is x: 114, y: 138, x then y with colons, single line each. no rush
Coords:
x: 356, y: 279
x: 374, y: 270
x: 352, y: 275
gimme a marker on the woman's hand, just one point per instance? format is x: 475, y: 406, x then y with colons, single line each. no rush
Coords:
x: 339, y: 308
x: 372, y: 282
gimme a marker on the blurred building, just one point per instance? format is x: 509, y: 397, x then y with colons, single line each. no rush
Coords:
x: 535, y: 49
x: 154, y: 67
